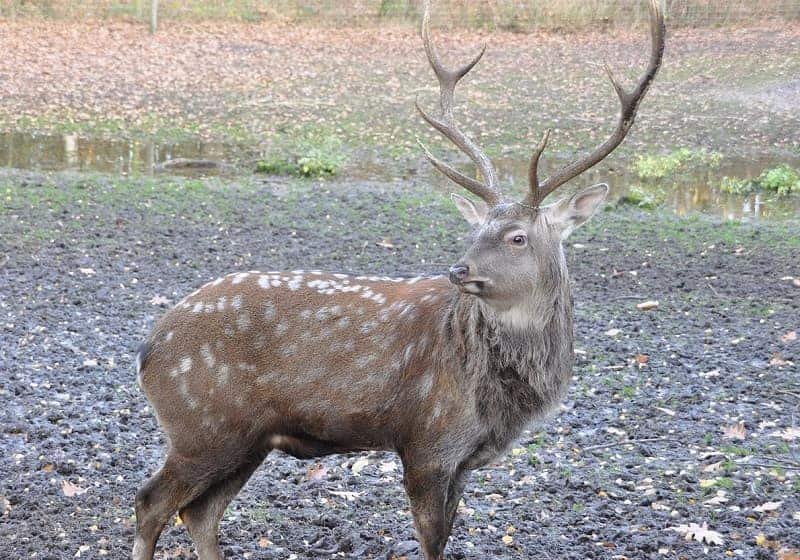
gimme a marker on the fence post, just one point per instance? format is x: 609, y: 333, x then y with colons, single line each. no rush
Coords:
x: 153, y: 16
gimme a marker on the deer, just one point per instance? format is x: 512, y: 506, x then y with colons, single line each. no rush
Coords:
x: 446, y: 371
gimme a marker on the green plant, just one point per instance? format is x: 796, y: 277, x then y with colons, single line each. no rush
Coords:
x: 661, y: 166
x: 732, y: 185
x: 312, y: 155
x: 782, y: 179
x: 642, y: 198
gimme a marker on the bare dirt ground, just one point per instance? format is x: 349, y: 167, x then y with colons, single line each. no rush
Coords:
x: 733, y: 90
x: 680, y: 420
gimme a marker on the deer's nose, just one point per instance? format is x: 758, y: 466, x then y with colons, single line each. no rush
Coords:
x: 458, y: 273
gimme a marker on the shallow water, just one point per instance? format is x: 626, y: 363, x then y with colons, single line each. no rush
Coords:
x: 73, y: 152
x: 690, y: 192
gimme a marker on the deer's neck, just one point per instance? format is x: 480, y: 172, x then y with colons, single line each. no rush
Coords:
x: 519, y: 370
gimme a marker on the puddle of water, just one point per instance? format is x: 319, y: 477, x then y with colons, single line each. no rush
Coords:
x: 690, y: 192
x: 73, y: 152
x: 696, y: 191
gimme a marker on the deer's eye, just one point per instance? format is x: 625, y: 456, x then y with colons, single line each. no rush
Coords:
x: 518, y: 240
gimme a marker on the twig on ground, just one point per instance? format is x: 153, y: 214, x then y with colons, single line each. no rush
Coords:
x: 716, y: 293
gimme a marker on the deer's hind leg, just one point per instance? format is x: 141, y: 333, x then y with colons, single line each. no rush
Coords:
x: 172, y: 487
x: 202, y: 516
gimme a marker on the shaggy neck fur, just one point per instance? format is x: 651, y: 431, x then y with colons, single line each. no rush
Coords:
x: 517, y: 374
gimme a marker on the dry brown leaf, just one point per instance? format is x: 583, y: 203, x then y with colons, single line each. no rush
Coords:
x: 788, y: 554
x: 316, y: 472
x: 264, y: 542
x: 734, y: 431
x: 642, y: 359
x: 790, y: 336
x: 71, y: 490
x: 778, y: 360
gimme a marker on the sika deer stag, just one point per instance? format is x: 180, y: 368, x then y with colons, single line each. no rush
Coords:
x: 447, y: 374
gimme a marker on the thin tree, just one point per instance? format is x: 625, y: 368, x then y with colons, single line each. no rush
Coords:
x: 153, y: 16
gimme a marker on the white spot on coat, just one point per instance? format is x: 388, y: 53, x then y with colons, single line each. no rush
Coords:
x: 208, y: 356
x: 186, y: 364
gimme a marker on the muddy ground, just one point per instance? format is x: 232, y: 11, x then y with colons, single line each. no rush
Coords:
x: 85, y: 259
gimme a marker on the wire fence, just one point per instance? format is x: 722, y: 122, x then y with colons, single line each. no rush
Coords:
x: 513, y: 15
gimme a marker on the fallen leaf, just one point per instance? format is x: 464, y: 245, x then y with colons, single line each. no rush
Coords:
x: 264, y: 542
x: 349, y: 496
x: 159, y: 300
x: 768, y: 506
x: 508, y: 540
x: 359, y: 465
x: 788, y: 434
x: 5, y: 505
x: 790, y: 336
x: 734, y: 431
x: 71, y: 490
x: 613, y: 332
x: 642, y: 359
x: 720, y: 498
x: 700, y: 533
x: 647, y: 305
x: 778, y: 360
x: 788, y: 554
x: 90, y: 362
x: 316, y: 472
x: 385, y: 243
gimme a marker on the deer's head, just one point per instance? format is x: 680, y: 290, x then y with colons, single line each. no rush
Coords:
x: 515, y: 259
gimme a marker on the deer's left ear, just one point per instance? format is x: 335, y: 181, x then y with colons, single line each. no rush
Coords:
x: 569, y: 213
x: 474, y: 211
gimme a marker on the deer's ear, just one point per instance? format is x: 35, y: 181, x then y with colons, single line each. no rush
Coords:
x: 473, y: 211
x: 569, y: 213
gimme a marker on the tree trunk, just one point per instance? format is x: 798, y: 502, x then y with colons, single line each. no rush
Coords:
x: 153, y: 17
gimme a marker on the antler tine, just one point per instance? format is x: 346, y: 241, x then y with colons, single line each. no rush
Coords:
x: 446, y: 126
x: 629, y: 104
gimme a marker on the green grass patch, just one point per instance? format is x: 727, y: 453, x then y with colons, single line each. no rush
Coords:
x: 782, y: 180
x: 653, y: 166
x: 311, y: 155
x: 642, y: 197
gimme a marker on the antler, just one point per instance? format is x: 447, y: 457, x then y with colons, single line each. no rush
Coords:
x: 448, y: 78
x: 629, y: 102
